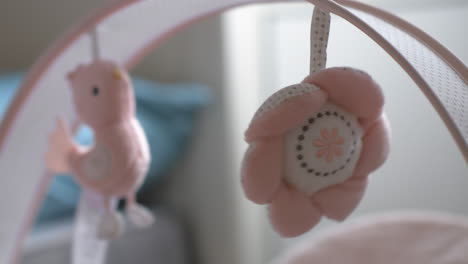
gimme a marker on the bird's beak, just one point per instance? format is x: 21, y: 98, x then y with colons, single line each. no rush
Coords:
x: 118, y: 75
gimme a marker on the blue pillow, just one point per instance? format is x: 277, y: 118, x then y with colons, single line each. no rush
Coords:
x: 167, y: 113
x: 8, y: 85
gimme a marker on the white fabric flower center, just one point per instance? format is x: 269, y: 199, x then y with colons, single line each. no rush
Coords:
x: 323, y: 151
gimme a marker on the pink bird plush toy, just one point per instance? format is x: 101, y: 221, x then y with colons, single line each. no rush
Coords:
x: 115, y: 166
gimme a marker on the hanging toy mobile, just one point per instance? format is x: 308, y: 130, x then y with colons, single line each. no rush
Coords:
x: 115, y: 166
x: 313, y: 144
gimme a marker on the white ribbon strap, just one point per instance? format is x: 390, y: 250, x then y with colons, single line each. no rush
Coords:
x: 95, y: 44
x: 319, y: 33
x: 87, y: 248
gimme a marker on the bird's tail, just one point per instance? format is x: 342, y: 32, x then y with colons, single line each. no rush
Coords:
x: 60, y: 148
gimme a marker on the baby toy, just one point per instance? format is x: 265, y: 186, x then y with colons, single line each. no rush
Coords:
x: 313, y: 144
x: 115, y: 166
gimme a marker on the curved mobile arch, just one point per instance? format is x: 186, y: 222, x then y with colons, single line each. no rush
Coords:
x: 128, y: 40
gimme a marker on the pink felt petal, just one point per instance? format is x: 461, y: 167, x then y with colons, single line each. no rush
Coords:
x: 286, y: 116
x: 320, y: 143
x: 376, y: 146
x: 261, y: 171
x: 324, y: 133
x: 339, y: 141
x: 339, y: 201
x: 322, y: 152
x: 351, y: 89
x: 292, y: 213
x: 338, y: 151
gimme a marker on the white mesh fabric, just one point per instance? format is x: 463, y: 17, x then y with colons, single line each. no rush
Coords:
x: 446, y: 84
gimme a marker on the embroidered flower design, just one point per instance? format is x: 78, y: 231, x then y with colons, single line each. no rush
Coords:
x: 329, y: 144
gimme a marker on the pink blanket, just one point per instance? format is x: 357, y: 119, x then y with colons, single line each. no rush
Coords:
x: 397, y: 238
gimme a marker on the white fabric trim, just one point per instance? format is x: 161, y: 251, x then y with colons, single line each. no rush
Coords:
x: 319, y: 33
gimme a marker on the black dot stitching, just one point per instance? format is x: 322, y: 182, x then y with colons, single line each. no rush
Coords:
x: 301, y: 137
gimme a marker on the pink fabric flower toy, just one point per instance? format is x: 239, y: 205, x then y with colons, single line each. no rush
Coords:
x: 312, y: 145
x: 115, y: 166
